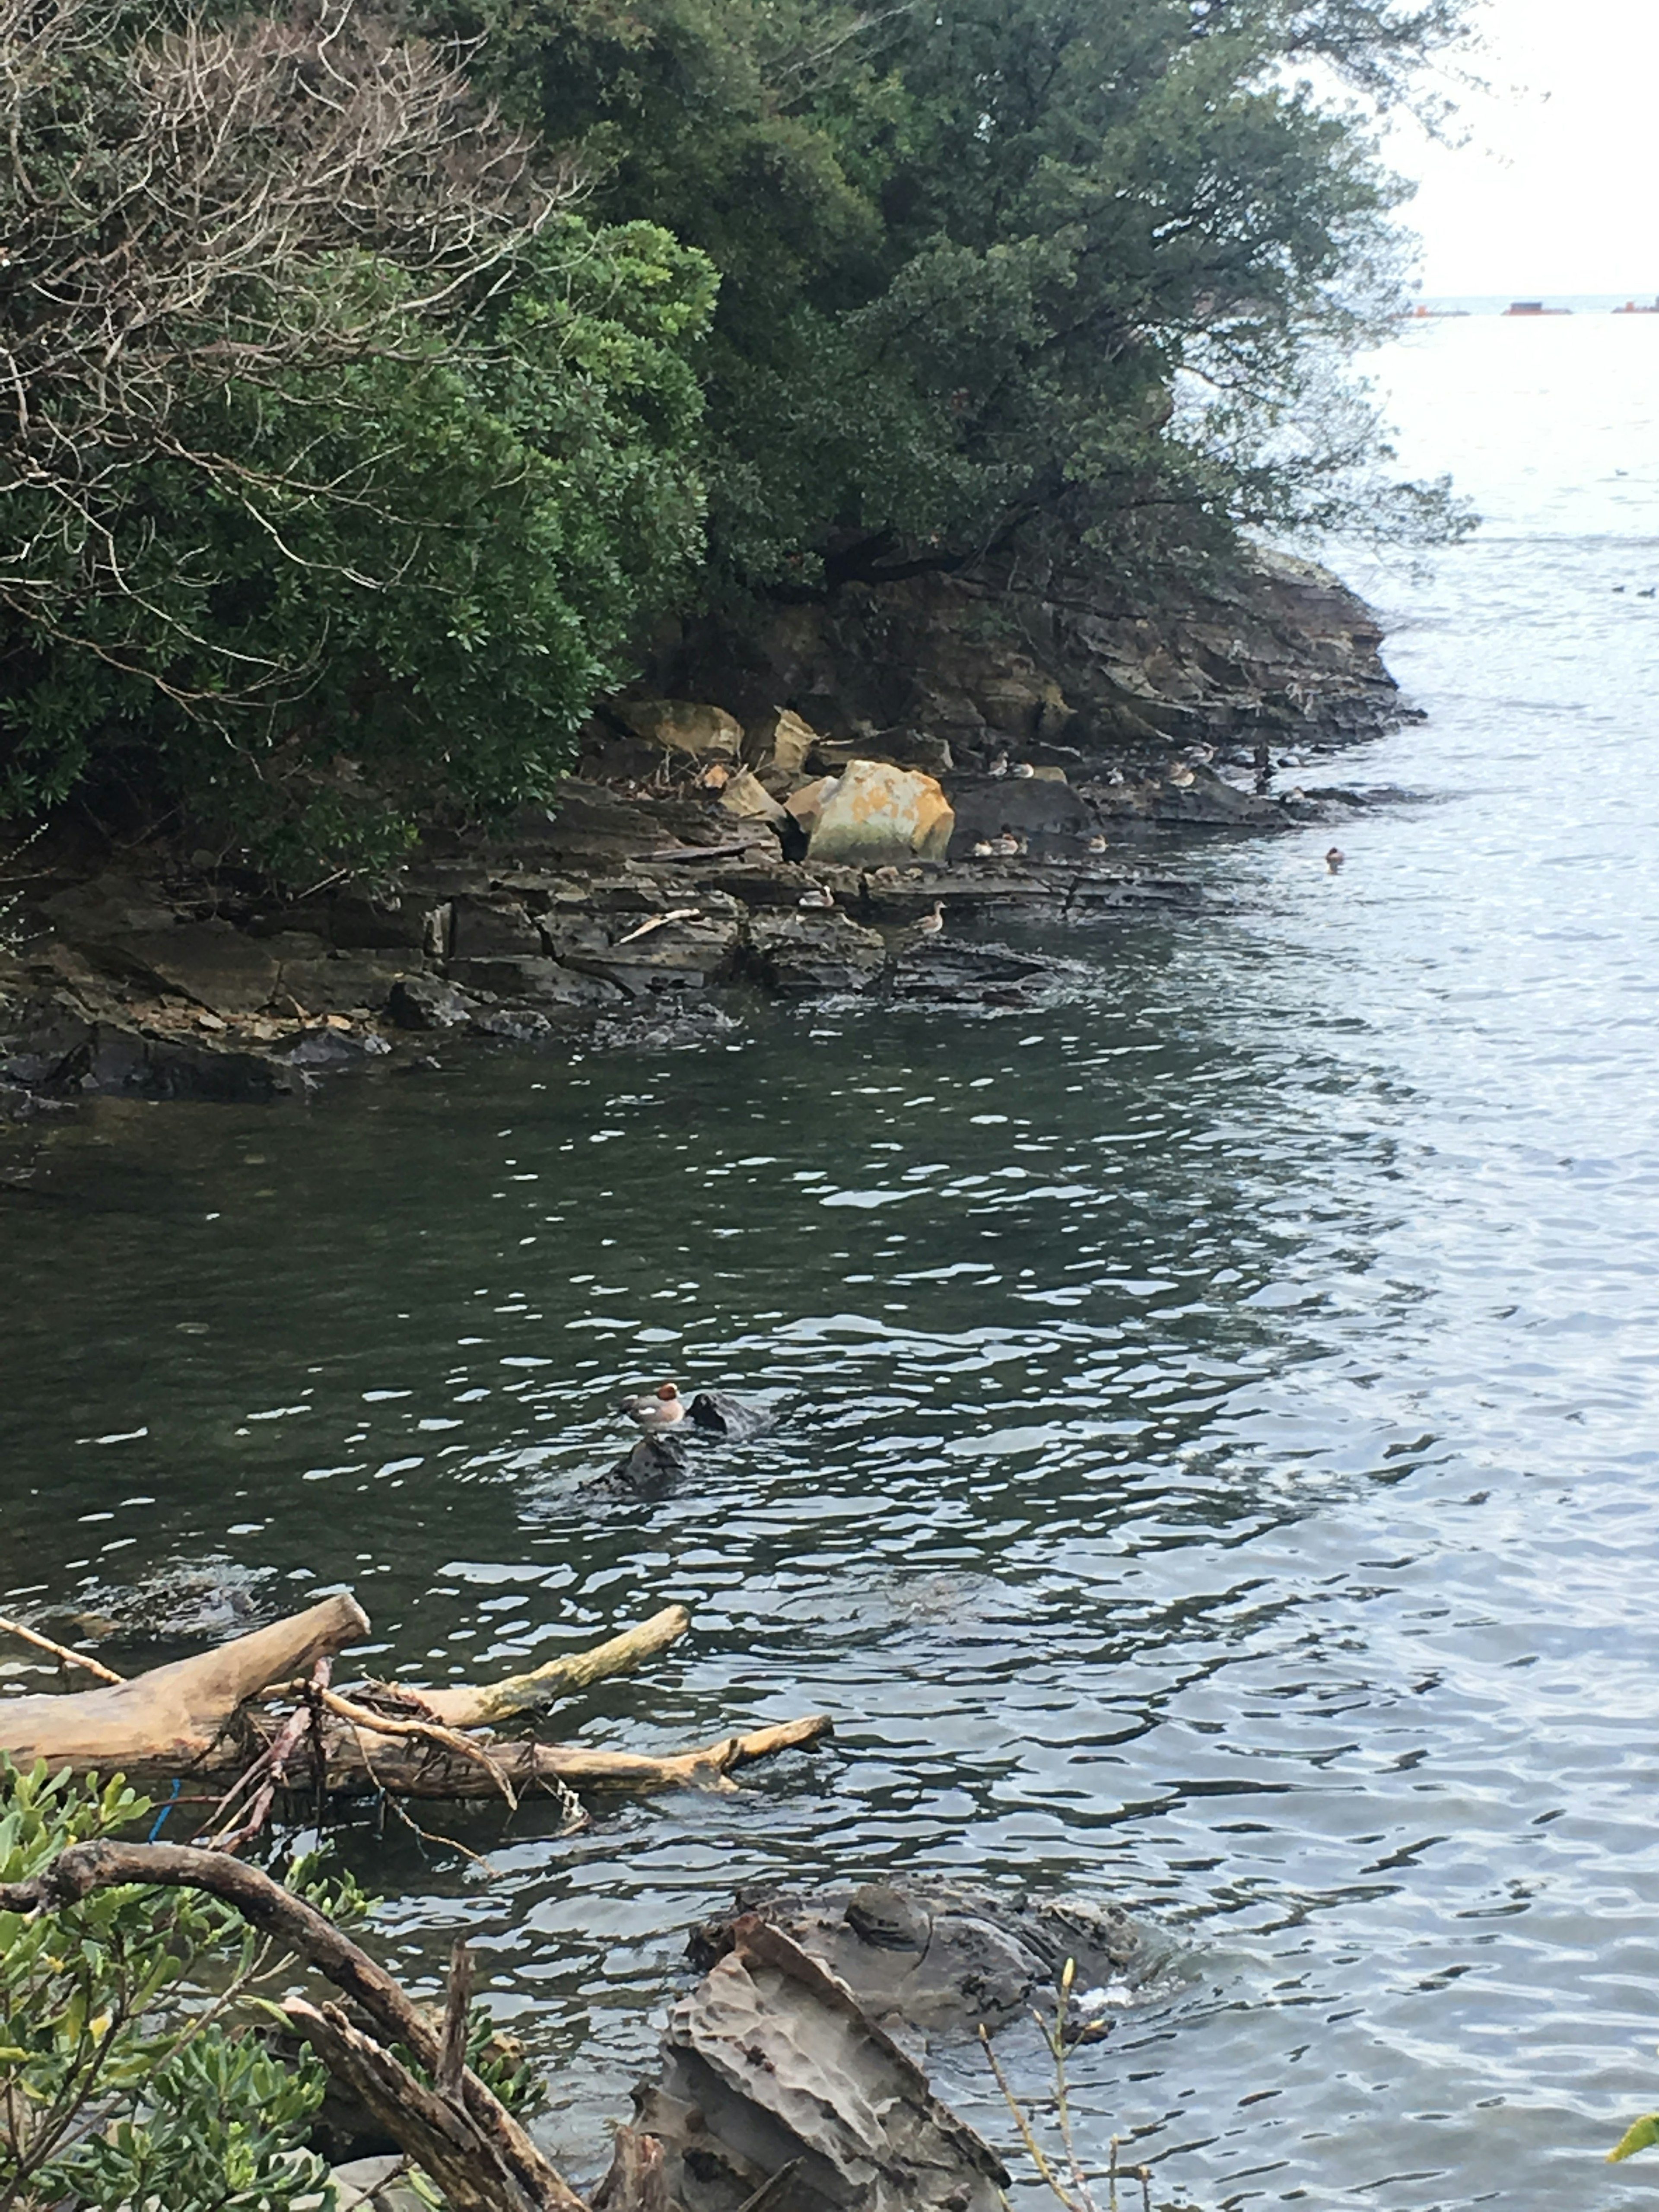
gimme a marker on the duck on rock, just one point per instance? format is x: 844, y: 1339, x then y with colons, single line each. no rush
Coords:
x: 656, y: 1409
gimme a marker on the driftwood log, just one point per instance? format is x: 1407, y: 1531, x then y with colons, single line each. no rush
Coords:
x: 265, y: 1697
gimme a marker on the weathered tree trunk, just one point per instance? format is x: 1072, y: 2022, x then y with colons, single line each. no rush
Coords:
x: 175, y: 1718
x: 205, y: 1719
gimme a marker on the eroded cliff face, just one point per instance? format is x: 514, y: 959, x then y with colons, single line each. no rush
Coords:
x: 1061, y: 671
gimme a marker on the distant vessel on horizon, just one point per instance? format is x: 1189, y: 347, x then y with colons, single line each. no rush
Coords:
x: 1533, y: 307
x: 1630, y: 307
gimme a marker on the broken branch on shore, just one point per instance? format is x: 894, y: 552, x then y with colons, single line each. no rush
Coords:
x: 221, y: 1715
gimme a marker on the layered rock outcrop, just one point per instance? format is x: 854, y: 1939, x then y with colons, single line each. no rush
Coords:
x: 859, y: 787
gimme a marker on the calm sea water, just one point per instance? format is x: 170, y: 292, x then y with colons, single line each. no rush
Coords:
x: 1221, y: 1469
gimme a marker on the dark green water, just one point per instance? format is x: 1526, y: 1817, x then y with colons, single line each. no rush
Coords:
x: 1218, y: 1464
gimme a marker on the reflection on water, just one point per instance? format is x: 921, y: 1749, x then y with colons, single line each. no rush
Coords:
x: 1219, y: 1467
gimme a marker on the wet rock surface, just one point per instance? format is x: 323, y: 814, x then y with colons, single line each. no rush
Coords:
x: 944, y: 1957
x: 777, y: 2087
x: 672, y: 870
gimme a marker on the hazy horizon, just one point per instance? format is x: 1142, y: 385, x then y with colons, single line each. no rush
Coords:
x: 1549, y: 193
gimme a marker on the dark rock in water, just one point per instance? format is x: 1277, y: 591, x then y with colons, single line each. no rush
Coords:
x: 213, y: 1599
x: 534, y: 978
x: 671, y: 1028
x: 337, y: 1049
x: 718, y: 1414
x: 952, y: 973
x: 17, y: 1104
x: 653, y: 1470
x: 60, y: 1050
x: 938, y: 1955
x: 513, y: 1025
x: 1048, y: 814
x: 421, y: 1002
x: 814, y: 954
x: 778, y: 2089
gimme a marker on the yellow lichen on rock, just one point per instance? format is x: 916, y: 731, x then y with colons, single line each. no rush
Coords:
x: 877, y: 814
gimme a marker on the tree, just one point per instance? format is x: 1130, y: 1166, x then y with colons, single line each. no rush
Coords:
x: 120, y: 2082
x: 1074, y: 277
x: 341, y: 456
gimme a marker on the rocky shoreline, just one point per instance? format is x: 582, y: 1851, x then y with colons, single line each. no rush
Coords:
x: 802, y: 847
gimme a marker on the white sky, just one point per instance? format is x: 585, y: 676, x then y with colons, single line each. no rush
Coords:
x: 1557, y: 189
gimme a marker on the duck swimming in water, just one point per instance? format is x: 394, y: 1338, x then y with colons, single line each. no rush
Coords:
x: 1096, y: 844
x: 930, y: 924
x: 983, y: 849
x: 1022, y: 767
x: 1008, y: 844
x: 1334, y: 859
x: 820, y: 896
x: 657, y: 1409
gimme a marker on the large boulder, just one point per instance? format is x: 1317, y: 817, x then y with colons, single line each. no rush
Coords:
x: 217, y: 966
x: 878, y: 815
x: 777, y: 2089
x: 425, y: 1002
x: 1048, y: 814
x: 491, y: 929
x: 95, y: 914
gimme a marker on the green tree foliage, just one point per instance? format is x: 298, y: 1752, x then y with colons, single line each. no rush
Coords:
x: 341, y: 456
x: 120, y: 2082
x: 1053, y: 274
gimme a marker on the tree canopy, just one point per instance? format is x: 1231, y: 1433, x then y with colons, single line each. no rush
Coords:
x: 1077, y: 273
x: 340, y: 453
x: 353, y: 426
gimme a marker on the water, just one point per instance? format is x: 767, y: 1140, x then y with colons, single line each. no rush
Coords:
x: 1221, y: 1470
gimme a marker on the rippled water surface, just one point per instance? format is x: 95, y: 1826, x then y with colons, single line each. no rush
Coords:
x: 1220, y: 1465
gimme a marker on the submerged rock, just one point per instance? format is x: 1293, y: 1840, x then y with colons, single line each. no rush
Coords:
x: 718, y: 1414
x: 948, y: 972
x: 58, y: 1049
x: 653, y: 1470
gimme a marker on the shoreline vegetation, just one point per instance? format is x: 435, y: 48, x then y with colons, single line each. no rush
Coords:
x: 386, y: 391
x: 694, y: 858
